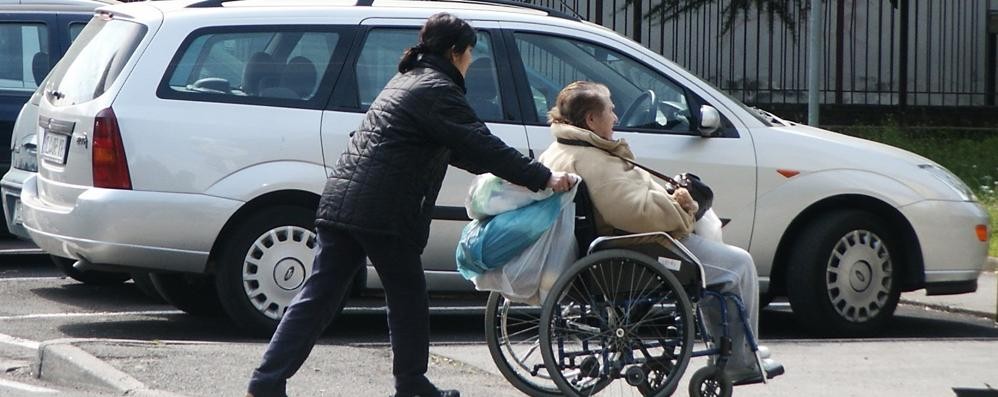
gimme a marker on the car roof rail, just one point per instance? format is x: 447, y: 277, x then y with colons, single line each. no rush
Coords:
x: 522, y: 4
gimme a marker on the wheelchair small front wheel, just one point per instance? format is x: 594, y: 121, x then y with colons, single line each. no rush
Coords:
x: 710, y: 381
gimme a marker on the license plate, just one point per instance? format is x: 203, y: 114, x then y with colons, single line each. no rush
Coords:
x: 55, y: 147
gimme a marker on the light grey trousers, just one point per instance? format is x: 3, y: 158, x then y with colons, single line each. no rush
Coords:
x: 729, y: 269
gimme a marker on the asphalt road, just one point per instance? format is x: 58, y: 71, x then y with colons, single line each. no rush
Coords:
x: 41, y: 305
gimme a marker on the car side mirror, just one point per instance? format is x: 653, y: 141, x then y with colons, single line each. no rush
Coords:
x: 710, y: 121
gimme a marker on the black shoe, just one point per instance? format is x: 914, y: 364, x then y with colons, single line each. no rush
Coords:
x: 773, y: 369
x: 438, y: 393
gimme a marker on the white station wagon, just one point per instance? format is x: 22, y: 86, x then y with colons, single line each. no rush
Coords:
x: 191, y: 139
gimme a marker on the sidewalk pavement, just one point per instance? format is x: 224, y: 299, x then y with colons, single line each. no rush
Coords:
x: 174, y: 369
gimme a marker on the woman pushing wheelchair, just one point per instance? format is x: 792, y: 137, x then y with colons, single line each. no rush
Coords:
x: 626, y: 198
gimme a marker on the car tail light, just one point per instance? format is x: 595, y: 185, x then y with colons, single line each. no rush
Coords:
x: 109, y: 163
x: 982, y: 232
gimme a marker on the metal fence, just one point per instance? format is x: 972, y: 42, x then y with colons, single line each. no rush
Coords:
x: 923, y: 52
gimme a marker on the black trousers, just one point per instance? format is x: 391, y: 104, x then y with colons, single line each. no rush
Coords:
x: 339, y: 256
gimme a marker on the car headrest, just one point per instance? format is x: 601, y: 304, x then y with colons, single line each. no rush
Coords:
x: 483, y: 94
x: 480, y: 79
x: 300, y: 76
x: 40, y: 67
x: 261, y: 71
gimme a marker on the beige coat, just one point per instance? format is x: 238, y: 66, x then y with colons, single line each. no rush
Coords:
x: 625, y: 197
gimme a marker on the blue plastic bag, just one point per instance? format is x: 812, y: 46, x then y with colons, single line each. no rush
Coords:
x: 491, y: 242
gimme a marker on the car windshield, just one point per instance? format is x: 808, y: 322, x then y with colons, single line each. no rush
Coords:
x: 755, y: 112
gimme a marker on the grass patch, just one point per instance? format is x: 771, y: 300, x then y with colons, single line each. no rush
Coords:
x: 971, y: 155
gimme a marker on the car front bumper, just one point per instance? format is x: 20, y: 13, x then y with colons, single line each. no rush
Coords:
x: 135, y: 229
x: 952, y: 253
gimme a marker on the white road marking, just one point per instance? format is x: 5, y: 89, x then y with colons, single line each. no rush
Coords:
x: 433, y: 309
x: 91, y: 314
x: 25, y: 387
x: 13, y: 340
x: 32, y: 278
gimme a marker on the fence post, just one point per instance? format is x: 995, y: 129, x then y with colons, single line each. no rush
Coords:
x: 814, y: 63
x: 839, y: 48
x: 636, y: 20
x: 991, y: 70
x: 903, y: 55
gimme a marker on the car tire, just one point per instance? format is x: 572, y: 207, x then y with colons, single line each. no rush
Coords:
x: 92, y: 277
x: 192, y: 293
x: 273, y: 242
x: 144, y: 283
x: 842, y: 280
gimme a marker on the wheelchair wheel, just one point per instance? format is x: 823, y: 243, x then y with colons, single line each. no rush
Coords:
x: 512, y: 331
x: 710, y: 381
x: 617, y: 315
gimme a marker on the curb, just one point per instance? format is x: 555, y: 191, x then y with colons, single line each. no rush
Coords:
x: 991, y: 265
x: 950, y: 309
x: 59, y: 361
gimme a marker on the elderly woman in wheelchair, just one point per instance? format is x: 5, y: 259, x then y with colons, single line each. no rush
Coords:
x: 631, y: 308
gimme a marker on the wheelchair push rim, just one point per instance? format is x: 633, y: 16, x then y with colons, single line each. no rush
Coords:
x: 617, y: 318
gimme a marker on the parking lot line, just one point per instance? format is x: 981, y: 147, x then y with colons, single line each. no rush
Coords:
x: 22, y: 279
x: 25, y: 387
x: 90, y: 314
x: 13, y: 340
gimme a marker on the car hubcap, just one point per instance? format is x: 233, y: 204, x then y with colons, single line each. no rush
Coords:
x: 858, y: 277
x: 276, y: 266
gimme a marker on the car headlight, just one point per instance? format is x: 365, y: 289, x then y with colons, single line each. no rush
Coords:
x: 951, y: 180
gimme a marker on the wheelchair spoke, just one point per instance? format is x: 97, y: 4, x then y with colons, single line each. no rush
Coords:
x: 618, y: 325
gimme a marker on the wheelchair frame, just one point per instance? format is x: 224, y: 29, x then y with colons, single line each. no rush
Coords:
x: 672, y: 258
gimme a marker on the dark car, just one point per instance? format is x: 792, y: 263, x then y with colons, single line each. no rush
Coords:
x: 34, y: 34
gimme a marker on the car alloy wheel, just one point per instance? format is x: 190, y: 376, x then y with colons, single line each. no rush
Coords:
x: 275, y: 268
x: 842, y: 279
x: 859, y: 276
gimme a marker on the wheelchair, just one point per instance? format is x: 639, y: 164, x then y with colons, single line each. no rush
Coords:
x: 621, y: 320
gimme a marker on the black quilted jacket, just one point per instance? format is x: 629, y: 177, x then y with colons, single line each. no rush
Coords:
x: 388, y: 178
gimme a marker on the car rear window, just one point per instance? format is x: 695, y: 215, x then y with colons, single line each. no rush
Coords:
x: 94, y: 61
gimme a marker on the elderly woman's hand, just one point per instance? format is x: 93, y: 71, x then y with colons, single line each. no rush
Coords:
x: 686, y: 201
x: 560, y: 181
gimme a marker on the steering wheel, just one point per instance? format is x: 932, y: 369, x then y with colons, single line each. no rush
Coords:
x: 677, y: 116
x: 635, y: 116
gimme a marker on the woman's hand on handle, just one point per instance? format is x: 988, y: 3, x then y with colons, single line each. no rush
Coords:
x: 560, y: 181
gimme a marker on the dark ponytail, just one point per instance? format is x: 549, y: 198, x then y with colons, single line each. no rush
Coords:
x: 441, y: 35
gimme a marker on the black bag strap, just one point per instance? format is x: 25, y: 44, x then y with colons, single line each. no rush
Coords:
x: 577, y: 142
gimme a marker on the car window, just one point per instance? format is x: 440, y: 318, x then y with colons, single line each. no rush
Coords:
x: 644, y: 99
x: 74, y: 30
x: 24, y: 49
x: 275, y: 64
x: 379, y: 58
x: 94, y: 61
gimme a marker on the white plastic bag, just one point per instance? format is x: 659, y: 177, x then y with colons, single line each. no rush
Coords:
x: 528, y: 277
x: 709, y: 226
x: 490, y: 195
